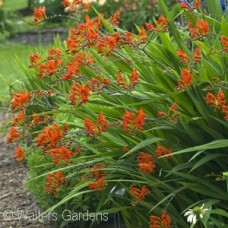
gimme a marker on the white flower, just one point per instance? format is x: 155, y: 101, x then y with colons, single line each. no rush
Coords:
x: 191, y: 216
x: 195, y: 213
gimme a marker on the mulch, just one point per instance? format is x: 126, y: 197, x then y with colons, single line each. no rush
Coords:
x: 18, y: 207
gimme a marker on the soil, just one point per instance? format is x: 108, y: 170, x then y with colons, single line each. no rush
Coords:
x: 17, y: 205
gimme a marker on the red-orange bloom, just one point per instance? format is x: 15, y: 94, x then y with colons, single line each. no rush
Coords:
x: 39, y: 14
x: 139, y: 121
x: 95, y: 129
x: 186, y: 79
x: 183, y: 56
x: 145, y: 163
x: 20, y: 154
x: 98, y: 83
x: 19, y: 118
x: 50, y: 136
x: 224, y: 41
x: 20, y: 99
x: 72, y: 70
x: 161, y: 222
x: 97, y: 171
x: 132, y: 122
x: 197, y: 55
x: 14, y: 134
x: 196, y: 4
x: 161, y: 150
x: 79, y: 94
x: 162, y: 23
x: 200, y: 30
x: 99, y: 184
x: 114, y: 19
x: 34, y: 59
x: 108, y: 44
x: 225, y: 111
x: 49, y: 68
x: 142, y: 36
x: 54, y: 181
x: 203, y: 27
x: 61, y: 154
x: 216, y: 101
x: 53, y: 53
x: 172, y: 114
x: 134, y: 78
x: 139, y: 194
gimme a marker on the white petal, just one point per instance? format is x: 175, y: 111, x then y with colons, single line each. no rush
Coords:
x: 190, y: 218
x: 194, y: 219
x: 189, y: 212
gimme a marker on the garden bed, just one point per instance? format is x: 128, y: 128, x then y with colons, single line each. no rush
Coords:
x: 15, y: 200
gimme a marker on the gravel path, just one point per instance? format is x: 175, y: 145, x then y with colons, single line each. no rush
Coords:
x: 17, y: 206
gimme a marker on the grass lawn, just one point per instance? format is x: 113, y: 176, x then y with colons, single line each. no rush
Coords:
x: 14, y: 5
x: 12, y: 59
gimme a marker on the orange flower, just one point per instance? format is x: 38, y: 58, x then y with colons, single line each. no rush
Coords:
x: 224, y: 41
x: 160, y: 222
x: 114, y: 19
x: 39, y: 14
x: 161, y: 150
x: 97, y: 171
x: 79, y: 94
x: 186, y: 79
x: 172, y: 114
x: 150, y: 27
x: 184, y: 5
x: 162, y: 23
x: 142, y: 36
x: 125, y: 149
x: 203, y: 27
x: 132, y: 122
x: 20, y: 99
x: 108, y: 44
x: 134, y: 78
x: 98, y: 83
x: 139, y: 194
x: 196, y: 4
x: 183, y: 56
x: 218, y: 101
x: 99, y: 184
x: 139, y: 121
x: 61, y: 154
x: 72, y: 69
x: 54, y: 181
x: 49, y: 68
x: 122, y: 82
x: 53, y: 53
x: 50, y: 137
x: 95, y: 129
x: 197, y: 55
x: 145, y: 163
x: 225, y: 111
x: 34, y: 59
x: 20, y: 154
x: 19, y: 118
x: 14, y: 134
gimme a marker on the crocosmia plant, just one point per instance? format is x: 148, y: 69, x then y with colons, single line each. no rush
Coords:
x: 134, y: 124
